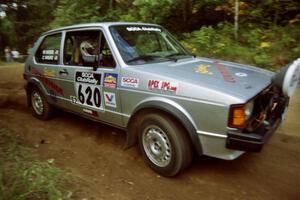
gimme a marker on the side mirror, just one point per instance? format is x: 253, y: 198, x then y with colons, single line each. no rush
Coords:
x: 95, y: 67
x: 96, y: 61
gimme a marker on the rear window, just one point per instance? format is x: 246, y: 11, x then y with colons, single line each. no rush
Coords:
x: 49, y: 50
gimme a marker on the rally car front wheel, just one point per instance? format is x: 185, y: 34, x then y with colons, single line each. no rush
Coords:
x: 39, y: 105
x: 164, y: 144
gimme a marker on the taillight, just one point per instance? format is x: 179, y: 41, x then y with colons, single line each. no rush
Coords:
x: 237, y: 116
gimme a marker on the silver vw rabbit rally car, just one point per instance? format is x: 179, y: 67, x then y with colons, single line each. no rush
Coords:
x: 137, y: 77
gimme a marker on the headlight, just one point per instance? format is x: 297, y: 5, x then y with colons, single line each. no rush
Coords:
x: 249, y: 109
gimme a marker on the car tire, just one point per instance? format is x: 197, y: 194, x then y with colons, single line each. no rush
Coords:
x: 164, y: 144
x: 41, y: 109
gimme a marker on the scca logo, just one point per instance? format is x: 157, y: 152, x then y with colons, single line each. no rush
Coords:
x: 130, y: 80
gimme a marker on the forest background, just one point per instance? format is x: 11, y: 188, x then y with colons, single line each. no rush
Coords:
x: 265, y: 33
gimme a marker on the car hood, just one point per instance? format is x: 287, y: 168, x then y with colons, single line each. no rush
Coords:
x: 212, y: 76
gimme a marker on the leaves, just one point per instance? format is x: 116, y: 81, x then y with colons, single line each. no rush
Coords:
x: 270, y: 48
x: 202, y: 19
x: 26, y: 20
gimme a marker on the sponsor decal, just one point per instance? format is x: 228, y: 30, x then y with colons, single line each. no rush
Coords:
x: 143, y: 28
x: 110, y: 99
x: 162, y: 85
x: 88, y: 77
x: 50, y: 55
x: 130, y: 82
x: 73, y: 100
x: 247, y: 86
x: 87, y: 90
x: 241, y: 74
x: 110, y: 80
x: 203, y: 69
x: 49, y: 72
x: 90, y: 112
x: 52, y: 86
x: 225, y: 73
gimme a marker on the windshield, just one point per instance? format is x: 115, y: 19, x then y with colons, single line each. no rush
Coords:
x: 139, y: 44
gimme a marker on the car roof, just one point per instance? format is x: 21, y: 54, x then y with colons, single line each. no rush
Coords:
x: 99, y: 24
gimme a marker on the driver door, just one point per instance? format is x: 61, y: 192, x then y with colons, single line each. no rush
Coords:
x: 91, y: 76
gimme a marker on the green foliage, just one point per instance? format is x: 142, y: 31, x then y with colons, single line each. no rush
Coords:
x: 269, y: 48
x: 24, y: 21
x: 22, y: 177
x: 67, y: 13
x: 84, y: 11
x: 154, y: 10
x: 271, y: 12
x: 264, y: 25
x: 9, y: 35
x: 73, y: 12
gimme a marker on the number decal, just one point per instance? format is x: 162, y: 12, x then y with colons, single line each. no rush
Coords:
x: 89, y: 95
x: 73, y: 100
x: 80, y: 94
x: 88, y: 91
x: 97, y: 97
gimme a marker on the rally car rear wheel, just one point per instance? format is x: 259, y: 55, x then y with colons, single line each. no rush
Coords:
x: 39, y: 105
x: 164, y: 144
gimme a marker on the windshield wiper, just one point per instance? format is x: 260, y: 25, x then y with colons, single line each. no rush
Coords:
x: 143, y: 57
x: 173, y: 55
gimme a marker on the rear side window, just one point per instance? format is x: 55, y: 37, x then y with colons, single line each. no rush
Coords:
x: 48, y: 51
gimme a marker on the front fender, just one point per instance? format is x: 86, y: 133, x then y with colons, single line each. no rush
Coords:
x: 173, y: 109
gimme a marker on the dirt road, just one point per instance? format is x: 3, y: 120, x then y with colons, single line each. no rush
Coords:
x: 94, y: 153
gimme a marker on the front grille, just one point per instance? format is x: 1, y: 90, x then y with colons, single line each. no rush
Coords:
x: 268, y: 107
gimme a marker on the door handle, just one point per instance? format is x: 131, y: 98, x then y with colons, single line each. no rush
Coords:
x: 63, y: 72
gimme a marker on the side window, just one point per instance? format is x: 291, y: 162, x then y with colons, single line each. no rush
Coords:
x: 81, y: 48
x: 107, y: 59
x: 48, y: 51
x: 85, y: 48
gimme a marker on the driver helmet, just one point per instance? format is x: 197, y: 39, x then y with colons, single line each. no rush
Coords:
x: 87, y: 51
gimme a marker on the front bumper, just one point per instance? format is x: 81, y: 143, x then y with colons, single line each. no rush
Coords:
x: 273, y: 107
x: 251, y: 142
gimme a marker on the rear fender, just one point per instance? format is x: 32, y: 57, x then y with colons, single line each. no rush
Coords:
x: 34, y: 82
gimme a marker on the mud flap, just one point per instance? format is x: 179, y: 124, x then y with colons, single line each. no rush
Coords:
x: 130, y: 141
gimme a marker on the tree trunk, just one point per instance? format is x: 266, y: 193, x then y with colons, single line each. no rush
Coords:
x: 112, y: 4
x: 187, y: 9
x: 276, y: 15
x: 236, y: 19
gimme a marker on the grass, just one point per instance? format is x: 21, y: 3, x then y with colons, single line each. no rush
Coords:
x: 3, y: 63
x: 23, y: 177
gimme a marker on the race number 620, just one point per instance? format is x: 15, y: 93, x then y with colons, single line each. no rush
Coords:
x: 89, y: 95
